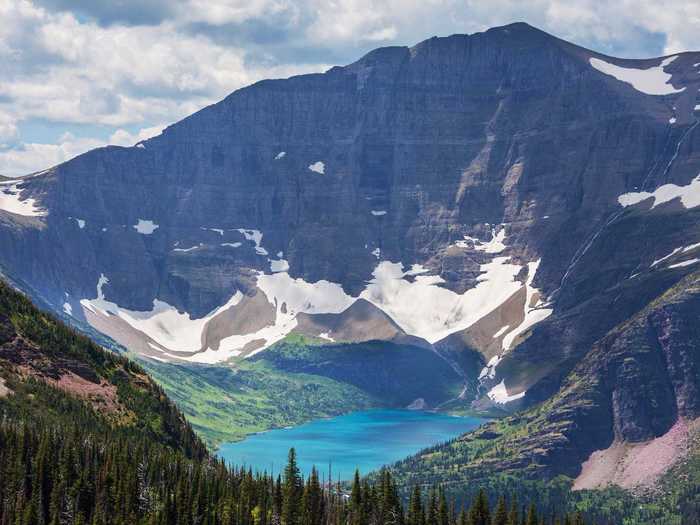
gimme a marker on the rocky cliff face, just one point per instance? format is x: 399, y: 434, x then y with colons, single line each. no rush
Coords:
x: 505, y: 192
x: 624, y: 414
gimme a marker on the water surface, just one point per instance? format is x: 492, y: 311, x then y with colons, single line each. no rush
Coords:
x: 365, y: 440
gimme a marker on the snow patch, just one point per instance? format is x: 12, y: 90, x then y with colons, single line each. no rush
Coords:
x: 680, y: 250
x: 163, y: 324
x: 501, y: 331
x: 289, y: 297
x: 185, y: 250
x: 657, y: 261
x: 10, y: 200
x: 327, y: 337
x: 425, y: 309
x: 255, y: 236
x: 318, y: 167
x: 298, y: 295
x: 689, y: 195
x: 377, y: 253
x: 691, y: 247
x: 378, y: 213
x: 499, y: 394
x: 145, y: 227
x: 652, y: 81
x: 81, y: 223
x: 533, y: 313
x: 489, y: 371
x: 231, y: 244
x: 495, y: 245
x: 68, y: 308
x: 280, y: 265
x: 281, y: 155
x: 684, y: 263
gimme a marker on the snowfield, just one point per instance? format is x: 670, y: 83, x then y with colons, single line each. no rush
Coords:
x: 10, y: 200
x: 412, y: 297
x: 688, y: 194
x: 652, y: 81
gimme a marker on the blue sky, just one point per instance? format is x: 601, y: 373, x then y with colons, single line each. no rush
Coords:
x: 77, y: 74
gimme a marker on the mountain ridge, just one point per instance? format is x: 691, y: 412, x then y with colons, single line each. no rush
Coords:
x: 504, y: 198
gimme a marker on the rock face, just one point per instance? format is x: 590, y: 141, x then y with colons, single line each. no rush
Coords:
x: 624, y: 413
x: 505, y: 192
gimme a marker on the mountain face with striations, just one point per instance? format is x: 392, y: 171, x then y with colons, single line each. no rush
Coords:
x: 513, y: 202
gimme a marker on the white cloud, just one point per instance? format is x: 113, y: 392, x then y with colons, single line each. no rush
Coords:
x: 8, y: 129
x: 221, y: 12
x: 30, y: 157
x: 122, y: 137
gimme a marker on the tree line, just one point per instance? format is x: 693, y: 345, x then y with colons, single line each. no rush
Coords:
x: 73, y: 476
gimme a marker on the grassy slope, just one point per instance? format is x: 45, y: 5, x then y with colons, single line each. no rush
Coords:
x: 298, y: 380
x: 226, y: 404
x: 36, y: 350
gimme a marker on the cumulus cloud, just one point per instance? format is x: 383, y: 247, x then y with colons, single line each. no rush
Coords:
x: 31, y: 157
x: 134, y: 64
x: 8, y: 130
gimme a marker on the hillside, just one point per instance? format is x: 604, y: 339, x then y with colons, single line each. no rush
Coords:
x: 299, y: 379
x: 87, y: 437
x: 627, y: 415
x: 42, y: 361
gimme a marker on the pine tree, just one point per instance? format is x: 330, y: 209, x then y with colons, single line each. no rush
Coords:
x: 514, y: 514
x: 291, y: 491
x: 479, y: 513
x: 443, y: 511
x: 415, y: 508
x: 431, y: 517
x: 531, y: 518
x: 500, y: 515
x: 311, y: 500
x: 356, y: 504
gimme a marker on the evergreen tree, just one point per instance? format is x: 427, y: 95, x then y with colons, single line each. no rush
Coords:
x: 479, y: 513
x: 291, y: 491
x: 531, y: 518
x: 500, y: 515
x: 443, y: 511
x: 415, y: 508
x: 357, y: 516
x: 514, y: 514
x: 431, y: 517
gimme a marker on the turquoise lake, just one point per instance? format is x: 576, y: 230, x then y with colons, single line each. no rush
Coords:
x: 365, y: 440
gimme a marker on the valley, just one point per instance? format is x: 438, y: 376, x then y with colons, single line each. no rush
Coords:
x: 503, y: 226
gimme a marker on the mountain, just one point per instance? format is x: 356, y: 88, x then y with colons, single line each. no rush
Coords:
x: 506, y: 203
x: 87, y: 437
